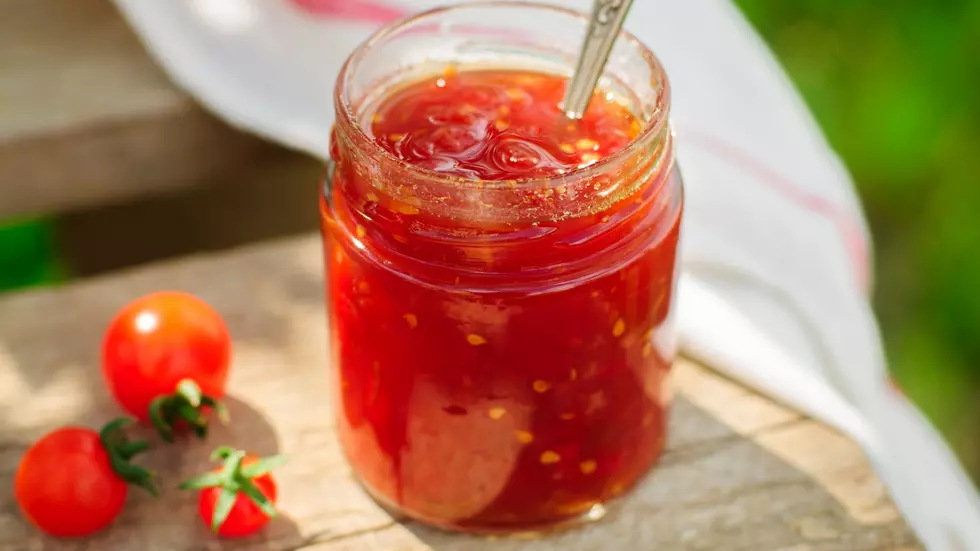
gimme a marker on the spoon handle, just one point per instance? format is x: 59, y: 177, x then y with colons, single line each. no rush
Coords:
x: 604, y: 26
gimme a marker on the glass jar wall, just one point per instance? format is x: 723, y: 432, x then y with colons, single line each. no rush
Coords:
x: 501, y: 280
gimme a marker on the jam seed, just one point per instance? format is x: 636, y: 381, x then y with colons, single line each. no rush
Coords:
x: 403, y: 208
x: 541, y: 386
x: 514, y: 93
x: 567, y: 148
x: 475, y: 340
x: 503, y: 110
x: 566, y: 416
x: 647, y: 349
x: 550, y: 458
x: 501, y: 125
x: 360, y: 232
x: 497, y: 413
x: 587, y: 467
x: 412, y: 320
x: 635, y: 127
x: 377, y: 118
x: 395, y: 138
x: 371, y: 196
x: 586, y: 144
x: 523, y: 436
x: 619, y: 328
x: 573, y: 374
x: 363, y: 287
x: 589, y: 159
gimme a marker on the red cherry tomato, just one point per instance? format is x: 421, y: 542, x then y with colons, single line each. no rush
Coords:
x: 245, y: 517
x: 66, y: 486
x: 158, y: 340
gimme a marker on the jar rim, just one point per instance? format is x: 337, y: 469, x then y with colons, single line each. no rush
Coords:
x: 346, y: 110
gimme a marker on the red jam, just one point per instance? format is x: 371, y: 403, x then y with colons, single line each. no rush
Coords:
x: 497, y: 125
x: 498, y: 370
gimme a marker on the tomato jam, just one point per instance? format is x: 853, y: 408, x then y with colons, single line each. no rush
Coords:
x: 501, y: 286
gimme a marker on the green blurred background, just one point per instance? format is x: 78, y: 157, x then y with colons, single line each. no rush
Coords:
x: 895, y: 87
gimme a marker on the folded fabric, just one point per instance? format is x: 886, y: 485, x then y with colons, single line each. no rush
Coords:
x: 776, y: 251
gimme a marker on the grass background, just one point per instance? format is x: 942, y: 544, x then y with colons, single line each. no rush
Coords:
x: 896, y: 87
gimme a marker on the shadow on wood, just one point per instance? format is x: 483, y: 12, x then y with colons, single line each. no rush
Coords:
x: 273, y: 195
x: 713, y: 489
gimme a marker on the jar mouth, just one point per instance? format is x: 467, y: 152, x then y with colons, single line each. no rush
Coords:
x: 654, y: 125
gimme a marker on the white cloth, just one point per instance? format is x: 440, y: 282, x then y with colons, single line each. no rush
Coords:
x: 776, y: 251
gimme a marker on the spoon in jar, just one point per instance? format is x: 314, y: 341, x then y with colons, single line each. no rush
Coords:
x: 604, y: 26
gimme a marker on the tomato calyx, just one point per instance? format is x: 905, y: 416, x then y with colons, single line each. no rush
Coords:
x: 121, y: 450
x: 235, y: 478
x: 187, y: 404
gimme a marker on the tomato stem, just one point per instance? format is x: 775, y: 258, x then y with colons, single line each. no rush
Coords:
x: 121, y: 451
x: 187, y: 404
x: 235, y: 478
x: 128, y: 450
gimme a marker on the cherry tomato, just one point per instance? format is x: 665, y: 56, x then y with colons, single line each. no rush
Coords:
x: 245, y: 517
x: 66, y: 486
x: 160, y: 339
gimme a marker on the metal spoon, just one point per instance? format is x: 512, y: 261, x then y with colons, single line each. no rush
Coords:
x: 604, y: 26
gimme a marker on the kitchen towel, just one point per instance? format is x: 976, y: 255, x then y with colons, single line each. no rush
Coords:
x: 776, y: 258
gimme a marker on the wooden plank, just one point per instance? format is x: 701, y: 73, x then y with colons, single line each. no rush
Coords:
x: 86, y: 117
x: 740, y: 474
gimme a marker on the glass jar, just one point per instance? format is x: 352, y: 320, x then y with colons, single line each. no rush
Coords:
x: 501, y: 348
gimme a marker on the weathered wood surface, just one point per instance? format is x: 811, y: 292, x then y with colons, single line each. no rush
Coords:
x: 86, y: 117
x: 741, y: 474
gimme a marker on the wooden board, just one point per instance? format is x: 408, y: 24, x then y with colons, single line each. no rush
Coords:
x: 740, y: 474
x: 86, y: 117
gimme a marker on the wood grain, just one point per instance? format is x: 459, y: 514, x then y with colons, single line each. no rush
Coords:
x: 741, y: 474
x: 86, y: 117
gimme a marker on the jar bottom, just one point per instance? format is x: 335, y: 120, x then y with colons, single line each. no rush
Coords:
x: 589, y: 515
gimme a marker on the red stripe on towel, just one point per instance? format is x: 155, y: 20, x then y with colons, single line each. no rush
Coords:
x: 849, y: 228
x: 369, y: 11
